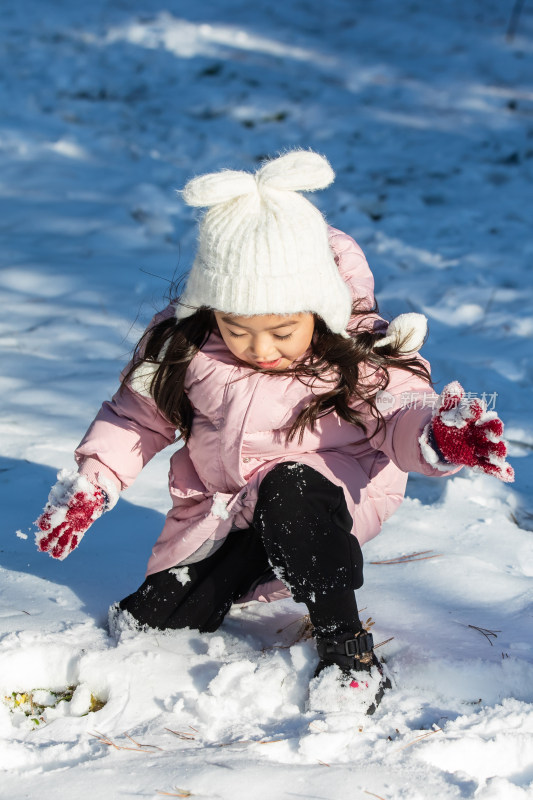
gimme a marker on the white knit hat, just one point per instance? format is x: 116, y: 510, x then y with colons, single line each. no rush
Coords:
x: 263, y: 248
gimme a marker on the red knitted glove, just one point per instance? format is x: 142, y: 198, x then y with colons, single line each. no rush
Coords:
x: 464, y: 432
x: 73, y: 505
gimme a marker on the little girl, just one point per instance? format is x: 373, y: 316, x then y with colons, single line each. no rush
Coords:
x: 286, y: 389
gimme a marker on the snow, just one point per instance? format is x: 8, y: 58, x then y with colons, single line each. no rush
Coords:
x: 182, y: 574
x: 425, y: 112
x: 218, y: 507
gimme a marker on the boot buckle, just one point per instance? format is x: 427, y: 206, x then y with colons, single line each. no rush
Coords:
x: 355, y: 648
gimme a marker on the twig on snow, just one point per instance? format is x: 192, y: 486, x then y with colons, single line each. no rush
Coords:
x: 407, y: 559
x: 304, y: 633
x: 385, y: 641
x: 487, y: 633
x: 139, y: 748
x: 280, y: 630
x: 190, y: 737
x: 419, y: 738
x: 183, y: 734
x: 249, y: 741
x: 177, y: 793
x: 305, y: 627
x: 374, y: 795
x: 153, y: 746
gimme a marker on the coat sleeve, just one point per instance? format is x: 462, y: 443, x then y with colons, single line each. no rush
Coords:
x: 406, y: 406
x: 126, y: 433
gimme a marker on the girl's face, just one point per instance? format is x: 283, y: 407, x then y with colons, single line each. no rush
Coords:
x: 267, y: 341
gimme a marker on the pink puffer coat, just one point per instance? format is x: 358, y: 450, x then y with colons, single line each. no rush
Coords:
x: 238, y: 436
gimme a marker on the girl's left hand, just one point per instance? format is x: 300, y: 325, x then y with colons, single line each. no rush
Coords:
x: 464, y: 432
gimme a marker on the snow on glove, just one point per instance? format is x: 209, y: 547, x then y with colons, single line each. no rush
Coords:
x: 73, y: 505
x: 464, y: 432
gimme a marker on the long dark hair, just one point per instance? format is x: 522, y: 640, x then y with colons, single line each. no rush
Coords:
x: 355, y: 371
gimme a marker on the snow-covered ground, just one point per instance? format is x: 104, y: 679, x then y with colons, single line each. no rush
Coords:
x: 425, y: 111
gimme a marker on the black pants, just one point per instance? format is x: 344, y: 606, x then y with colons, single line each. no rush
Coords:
x: 301, y: 530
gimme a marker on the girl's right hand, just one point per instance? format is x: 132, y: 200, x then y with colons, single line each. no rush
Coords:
x: 73, y: 505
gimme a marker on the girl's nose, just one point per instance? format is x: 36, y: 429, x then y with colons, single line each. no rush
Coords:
x: 262, y: 348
